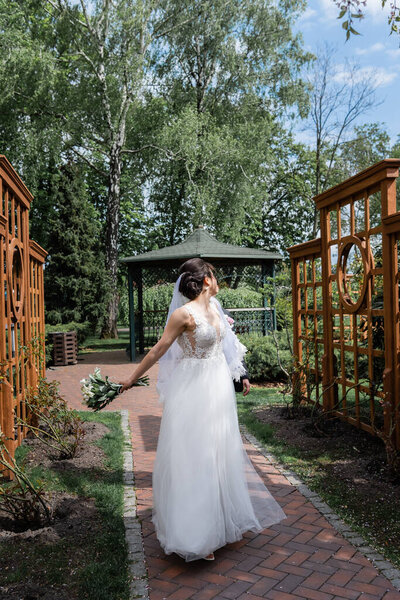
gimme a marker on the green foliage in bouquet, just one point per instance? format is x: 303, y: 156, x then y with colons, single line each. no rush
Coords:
x: 98, y: 392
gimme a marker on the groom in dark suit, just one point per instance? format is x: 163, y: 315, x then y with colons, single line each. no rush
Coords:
x: 244, y: 384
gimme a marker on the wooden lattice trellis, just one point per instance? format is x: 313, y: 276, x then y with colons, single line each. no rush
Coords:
x: 21, y: 303
x: 346, y: 303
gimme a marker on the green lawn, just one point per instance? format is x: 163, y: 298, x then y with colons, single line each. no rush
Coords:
x: 99, y: 570
x: 375, y: 517
x: 95, y: 344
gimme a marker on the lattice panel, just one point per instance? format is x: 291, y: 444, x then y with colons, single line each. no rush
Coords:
x: 359, y: 248
x: 356, y: 288
x: 21, y: 303
x: 308, y: 319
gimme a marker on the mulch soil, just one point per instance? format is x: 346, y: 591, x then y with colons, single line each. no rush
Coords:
x: 75, y: 518
x: 356, y: 456
x: 350, y: 465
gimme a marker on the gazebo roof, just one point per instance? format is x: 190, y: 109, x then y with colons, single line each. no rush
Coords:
x: 203, y: 245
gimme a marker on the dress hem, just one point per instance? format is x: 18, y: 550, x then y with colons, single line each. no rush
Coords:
x: 182, y: 554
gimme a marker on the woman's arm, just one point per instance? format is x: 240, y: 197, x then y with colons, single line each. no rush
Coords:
x: 177, y: 323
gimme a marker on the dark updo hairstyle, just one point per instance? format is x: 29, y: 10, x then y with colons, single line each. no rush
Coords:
x: 193, y: 272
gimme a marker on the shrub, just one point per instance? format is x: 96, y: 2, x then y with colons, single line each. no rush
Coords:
x: 241, y: 297
x: 262, y: 356
x: 82, y: 329
x: 158, y: 297
x: 51, y: 421
x: 281, y: 289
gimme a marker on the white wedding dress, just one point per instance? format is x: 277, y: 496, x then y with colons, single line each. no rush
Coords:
x: 206, y: 492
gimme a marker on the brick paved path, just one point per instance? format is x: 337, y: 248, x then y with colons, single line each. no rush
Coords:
x: 301, y: 557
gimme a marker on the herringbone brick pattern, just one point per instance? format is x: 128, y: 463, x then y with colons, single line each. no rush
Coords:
x: 301, y: 557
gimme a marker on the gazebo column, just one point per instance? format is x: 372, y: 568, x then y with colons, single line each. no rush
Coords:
x: 274, y: 324
x: 268, y: 270
x: 140, y: 308
x: 132, y: 336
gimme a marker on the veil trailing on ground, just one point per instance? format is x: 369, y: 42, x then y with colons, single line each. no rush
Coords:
x: 233, y: 349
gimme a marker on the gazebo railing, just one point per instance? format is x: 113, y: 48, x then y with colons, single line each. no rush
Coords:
x: 257, y: 321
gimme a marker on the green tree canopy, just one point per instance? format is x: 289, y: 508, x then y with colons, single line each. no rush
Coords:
x: 75, y: 279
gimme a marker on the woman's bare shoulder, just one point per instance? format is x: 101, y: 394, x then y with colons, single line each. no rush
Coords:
x: 181, y: 314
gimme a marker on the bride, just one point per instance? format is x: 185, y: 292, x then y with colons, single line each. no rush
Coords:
x: 206, y: 492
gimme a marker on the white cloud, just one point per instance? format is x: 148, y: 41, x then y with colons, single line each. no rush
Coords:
x: 309, y: 13
x: 378, y: 76
x: 378, y: 47
x: 328, y: 10
x: 394, y: 53
x: 372, y: 11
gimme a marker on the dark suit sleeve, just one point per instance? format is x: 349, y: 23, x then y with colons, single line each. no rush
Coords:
x: 246, y: 375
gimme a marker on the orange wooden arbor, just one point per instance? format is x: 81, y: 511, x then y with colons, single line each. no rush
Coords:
x: 346, y: 310
x: 21, y: 302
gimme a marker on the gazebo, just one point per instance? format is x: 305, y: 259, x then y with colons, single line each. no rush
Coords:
x: 233, y: 264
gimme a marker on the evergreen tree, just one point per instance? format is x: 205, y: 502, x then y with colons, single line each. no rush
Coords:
x: 75, y: 276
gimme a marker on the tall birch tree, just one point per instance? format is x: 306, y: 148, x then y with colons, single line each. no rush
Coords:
x: 105, y: 49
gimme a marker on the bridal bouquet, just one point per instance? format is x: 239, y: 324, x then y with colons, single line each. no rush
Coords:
x: 98, y: 392
x: 230, y: 321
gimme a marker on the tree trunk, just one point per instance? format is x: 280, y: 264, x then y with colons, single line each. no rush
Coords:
x: 317, y: 188
x: 112, y: 227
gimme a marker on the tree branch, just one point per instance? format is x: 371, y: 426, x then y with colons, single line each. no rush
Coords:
x: 89, y: 162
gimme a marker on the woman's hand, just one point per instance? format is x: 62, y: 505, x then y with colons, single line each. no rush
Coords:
x: 126, y: 385
x: 246, y: 386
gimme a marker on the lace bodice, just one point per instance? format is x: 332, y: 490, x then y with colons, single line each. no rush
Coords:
x: 205, y: 341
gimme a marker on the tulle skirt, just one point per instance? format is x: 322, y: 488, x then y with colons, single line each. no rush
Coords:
x: 206, y: 492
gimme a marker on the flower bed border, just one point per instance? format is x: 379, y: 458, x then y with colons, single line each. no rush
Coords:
x: 138, y: 586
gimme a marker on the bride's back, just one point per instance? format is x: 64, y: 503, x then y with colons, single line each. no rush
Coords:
x: 205, y: 340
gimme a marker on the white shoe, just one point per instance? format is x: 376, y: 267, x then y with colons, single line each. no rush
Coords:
x: 210, y: 556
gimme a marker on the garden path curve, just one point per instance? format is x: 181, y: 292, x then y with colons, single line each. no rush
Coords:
x: 303, y: 557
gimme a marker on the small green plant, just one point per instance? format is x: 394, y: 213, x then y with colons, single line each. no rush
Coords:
x: 22, y: 497
x: 51, y: 421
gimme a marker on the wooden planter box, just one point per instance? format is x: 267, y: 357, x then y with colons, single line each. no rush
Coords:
x: 65, y: 347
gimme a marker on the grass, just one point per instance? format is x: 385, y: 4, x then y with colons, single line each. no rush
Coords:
x: 95, y: 344
x: 375, y: 518
x: 98, y: 571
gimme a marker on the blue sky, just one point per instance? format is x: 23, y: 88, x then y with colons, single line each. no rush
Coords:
x: 376, y: 51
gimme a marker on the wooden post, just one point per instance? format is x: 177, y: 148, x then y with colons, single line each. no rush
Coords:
x: 132, y: 337
x: 389, y: 260
x: 297, y: 349
x: 327, y: 359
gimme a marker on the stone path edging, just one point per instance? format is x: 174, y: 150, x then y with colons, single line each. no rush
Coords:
x: 138, y: 587
x: 386, y: 568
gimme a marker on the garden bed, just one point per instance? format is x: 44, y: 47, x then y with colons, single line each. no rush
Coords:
x: 82, y: 552
x: 344, y: 465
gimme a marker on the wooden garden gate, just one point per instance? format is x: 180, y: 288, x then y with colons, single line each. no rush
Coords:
x: 346, y: 308
x: 21, y: 303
